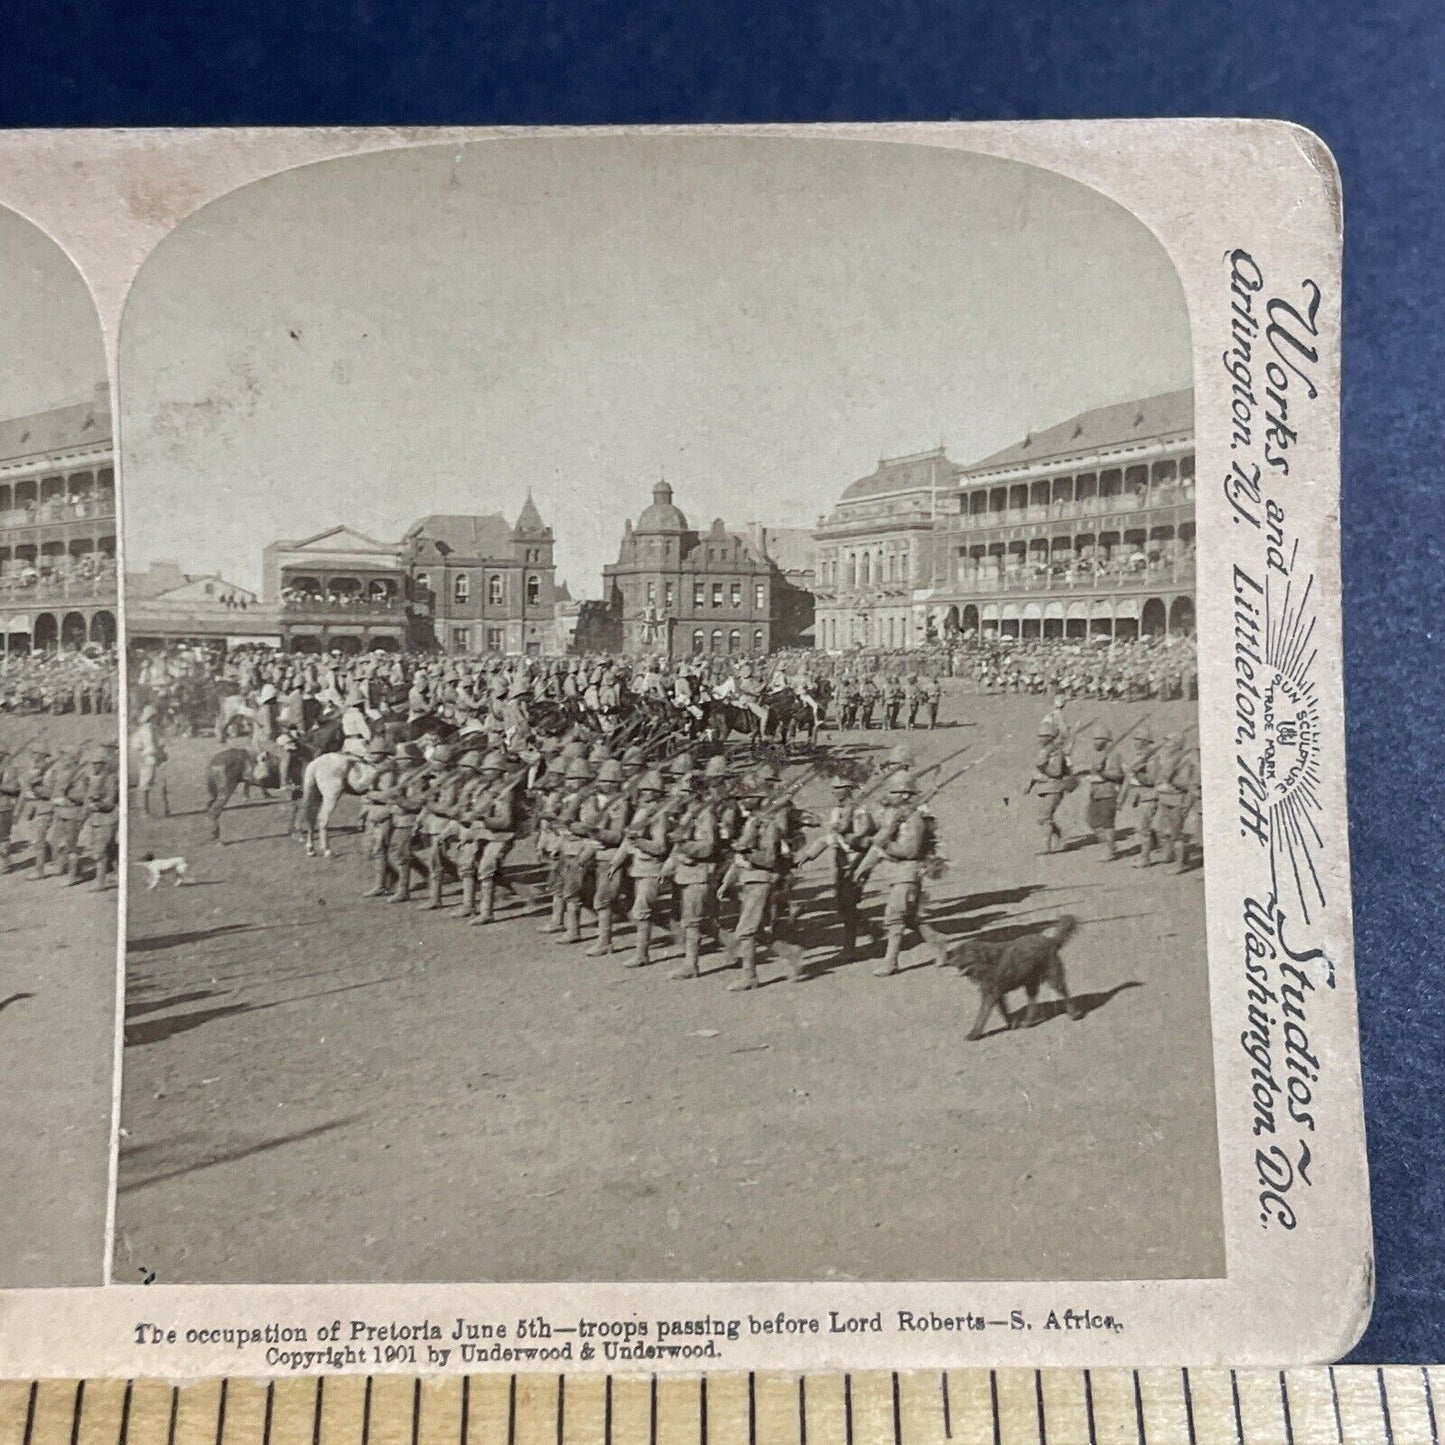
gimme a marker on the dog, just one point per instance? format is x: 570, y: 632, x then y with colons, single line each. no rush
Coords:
x: 997, y: 968
x: 157, y: 868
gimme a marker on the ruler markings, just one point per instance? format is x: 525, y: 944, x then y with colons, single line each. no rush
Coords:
x: 1376, y: 1405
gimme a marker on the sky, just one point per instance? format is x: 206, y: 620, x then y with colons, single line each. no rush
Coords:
x: 443, y: 329
x: 51, y: 353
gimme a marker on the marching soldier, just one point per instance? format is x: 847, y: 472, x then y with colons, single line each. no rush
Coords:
x: 378, y: 810
x: 917, y: 696
x: 577, y: 849
x: 849, y: 830
x: 867, y: 701
x: 495, y: 813
x: 901, y: 844
x: 412, y: 788
x: 1143, y: 784
x: 1192, y: 838
x: 647, y: 836
x: 68, y: 817
x: 1106, y: 779
x: 1050, y: 781
x: 1175, y: 780
x: 934, y: 689
x: 894, y: 696
x: 438, y: 818
x: 696, y: 849
x: 9, y: 805
x: 100, y: 830
x: 759, y: 854
x: 608, y: 827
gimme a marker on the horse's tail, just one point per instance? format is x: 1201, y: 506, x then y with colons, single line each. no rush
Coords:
x: 310, y: 798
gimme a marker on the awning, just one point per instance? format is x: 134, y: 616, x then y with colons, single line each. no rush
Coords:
x: 18, y: 623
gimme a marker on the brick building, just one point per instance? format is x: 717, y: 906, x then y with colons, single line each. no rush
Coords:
x: 676, y: 592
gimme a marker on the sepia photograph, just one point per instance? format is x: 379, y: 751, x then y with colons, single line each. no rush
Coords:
x: 663, y: 710
x: 60, y: 782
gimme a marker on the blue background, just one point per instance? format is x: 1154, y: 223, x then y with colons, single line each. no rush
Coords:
x: 1367, y: 77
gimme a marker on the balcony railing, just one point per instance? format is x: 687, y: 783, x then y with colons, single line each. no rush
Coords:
x: 47, y: 514
x: 360, y: 607
x: 16, y: 590
x: 1153, y: 500
x: 1112, y: 579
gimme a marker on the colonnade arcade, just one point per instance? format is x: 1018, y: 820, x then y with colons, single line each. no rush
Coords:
x: 1122, y: 617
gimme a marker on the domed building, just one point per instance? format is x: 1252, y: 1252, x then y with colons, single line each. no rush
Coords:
x: 677, y: 592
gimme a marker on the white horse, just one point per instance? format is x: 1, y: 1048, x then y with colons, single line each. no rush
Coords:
x: 325, y: 780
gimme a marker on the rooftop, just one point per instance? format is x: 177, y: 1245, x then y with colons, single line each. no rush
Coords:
x: 1168, y: 414
x: 661, y: 516
x: 64, y: 428
x: 449, y: 534
x: 919, y: 471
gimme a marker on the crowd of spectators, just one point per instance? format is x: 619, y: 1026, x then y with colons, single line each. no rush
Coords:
x: 81, y: 680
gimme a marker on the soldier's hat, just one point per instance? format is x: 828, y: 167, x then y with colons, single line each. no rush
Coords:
x: 442, y: 753
x: 634, y: 757
x: 1048, y: 728
x: 374, y: 749
x: 573, y: 750
x: 148, y: 712
x: 610, y: 771
x: 902, y: 785
x: 405, y: 752
x: 840, y: 782
x: 1102, y: 734
x: 716, y: 769
x: 1143, y: 735
x: 768, y: 776
x: 650, y: 782
x: 900, y: 757
x: 681, y: 764
x: 494, y: 762
x: 579, y: 770
x: 600, y: 752
x: 470, y: 760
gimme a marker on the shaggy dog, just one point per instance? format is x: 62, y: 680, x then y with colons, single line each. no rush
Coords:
x: 996, y: 968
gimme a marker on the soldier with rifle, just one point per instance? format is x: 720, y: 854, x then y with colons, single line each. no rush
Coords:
x: 488, y: 822
x: 1106, y: 781
x: 903, y: 841
x: 1050, y: 781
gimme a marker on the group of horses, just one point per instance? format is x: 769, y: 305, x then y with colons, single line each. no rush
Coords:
x: 310, y: 765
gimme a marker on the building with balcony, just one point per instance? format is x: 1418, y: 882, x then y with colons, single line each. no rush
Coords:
x: 339, y: 590
x: 481, y: 585
x: 58, y: 584
x: 874, y: 551
x: 1086, y: 529
x: 676, y: 592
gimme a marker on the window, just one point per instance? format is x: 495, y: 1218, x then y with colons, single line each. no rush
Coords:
x: 717, y: 639
x: 423, y: 582
x: 863, y: 575
x: 699, y: 595
x: 461, y: 639
x: 736, y: 596
x: 717, y: 594
x: 494, y: 589
x: 495, y: 639
x: 463, y: 589
x: 852, y: 570
x: 652, y: 594
x: 534, y: 590
x: 699, y: 640
x: 760, y: 597
x: 757, y: 639
x: 735, y: 641
x: 667, y: 594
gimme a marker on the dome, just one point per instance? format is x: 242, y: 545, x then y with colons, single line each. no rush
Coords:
x: 661, y: 516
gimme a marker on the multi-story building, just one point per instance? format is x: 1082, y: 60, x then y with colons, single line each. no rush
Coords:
x: 874, y: 551
x: 165, y: 605
x: 481, y: 585
x: 674, y: 592
x: 1086, y: 529
x: 57, y: 528
x: 338, y: 590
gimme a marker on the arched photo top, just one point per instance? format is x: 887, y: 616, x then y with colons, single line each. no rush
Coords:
x: 58, y: 730
x: 443, y: 329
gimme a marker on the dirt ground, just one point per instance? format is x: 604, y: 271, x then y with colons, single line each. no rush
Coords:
x: 322, y: 1088
x: 57, y: 1037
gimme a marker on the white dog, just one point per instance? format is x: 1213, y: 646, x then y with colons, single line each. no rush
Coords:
x: 157, y: 868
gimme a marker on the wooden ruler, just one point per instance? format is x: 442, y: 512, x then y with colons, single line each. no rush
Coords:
x: 1394, y: 1405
